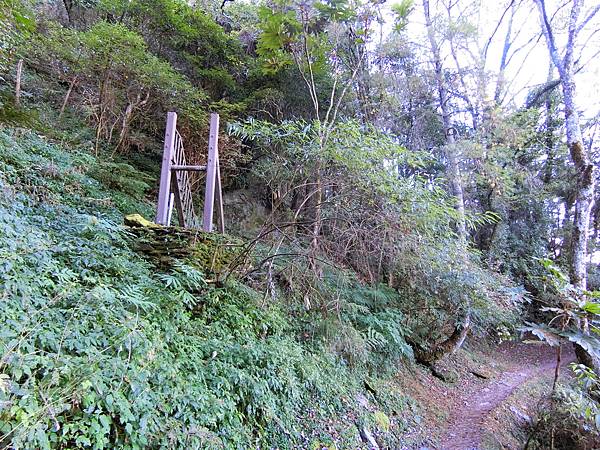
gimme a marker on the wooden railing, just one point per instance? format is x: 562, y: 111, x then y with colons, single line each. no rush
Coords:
x: 181, y: 197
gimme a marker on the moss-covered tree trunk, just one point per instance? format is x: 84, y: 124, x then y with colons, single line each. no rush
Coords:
x: 584, y: 184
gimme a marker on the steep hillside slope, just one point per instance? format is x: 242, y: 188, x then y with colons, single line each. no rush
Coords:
x: 102, y: 347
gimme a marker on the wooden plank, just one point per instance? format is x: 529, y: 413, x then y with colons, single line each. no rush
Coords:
x: 179, y: 202
x: 170, y: 213
x: 219, y: 198
x: 162, y: 209
x: 189, y: 168
x: 211, y: 173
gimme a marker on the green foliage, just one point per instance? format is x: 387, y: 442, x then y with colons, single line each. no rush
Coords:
x: 387, y: 222
x: 189, y: 39
x: 114, y: 66
x: 310, y: 36
x: 48, y: 174
x: 101, y: 350
x: 17, y: 24
x: 279, y: 31
x: 121, y: 177
x: 382, y: 420
x: 136, y: 338
x: 572, y: 418
x: 366, y: 327
x: 368, y: 157
x: 124, y: 64
x: 375, y: 312
x: 401, y: 12
x: 566, y: 315
x: 11, y: 114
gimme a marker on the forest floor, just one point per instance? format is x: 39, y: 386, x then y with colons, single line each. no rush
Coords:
x: 482, y: 409
x: 490, y: 396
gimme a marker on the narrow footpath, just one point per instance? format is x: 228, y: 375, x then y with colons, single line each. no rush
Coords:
x: 465, y: 425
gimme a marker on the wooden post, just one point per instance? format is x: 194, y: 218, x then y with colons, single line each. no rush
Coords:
x: 162, y: 210
x: 18, y: 83
x: 211, y: 173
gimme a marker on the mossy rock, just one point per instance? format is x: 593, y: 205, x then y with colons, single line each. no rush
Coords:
x: 209, y: 252
x: 382, y: 421
x: 445, y: 374
x: 138, y: 221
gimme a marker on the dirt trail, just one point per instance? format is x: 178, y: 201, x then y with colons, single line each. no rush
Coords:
x: 465, y: 426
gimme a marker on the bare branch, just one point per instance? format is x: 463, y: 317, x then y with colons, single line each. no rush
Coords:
x: 572, y: 34
x: 589, y: 17
x: 489, y: 41
x: 549, y: 35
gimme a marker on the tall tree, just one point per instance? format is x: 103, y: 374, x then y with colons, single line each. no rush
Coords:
x: 565, y: 64
x: 456, y: 339
x: 315, y: 38
x: 443, y: 97
x: 585, y: 182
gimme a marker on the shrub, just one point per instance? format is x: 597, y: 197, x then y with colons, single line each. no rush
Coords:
x: 102, y: 349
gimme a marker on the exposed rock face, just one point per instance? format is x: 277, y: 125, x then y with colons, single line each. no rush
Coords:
x: 368, y: 438
x: 209, y: 252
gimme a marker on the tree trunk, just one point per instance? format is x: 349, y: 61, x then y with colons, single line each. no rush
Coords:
x: 549, y: 131
x: 446, y: 347
x: 584, y: 197
x: 67, y: 96
x: 68, y: 4
x: 127, y: 116
x: 584, y: 186
x: 100, y: 123
x: 125, y: 125
x: 18, y: 83
x: 473, y: 111
x: 453, y: 166
x: 316, y: 227
x: 501, y: 81
x: 456, y: 339
x: 103, y: 106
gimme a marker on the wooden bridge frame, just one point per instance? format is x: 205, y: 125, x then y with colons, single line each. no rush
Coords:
x: 175, y: 188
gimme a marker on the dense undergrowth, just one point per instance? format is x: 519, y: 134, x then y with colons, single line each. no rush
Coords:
x: 105, y: 347
x: 569, y: 419
x: 389, y: 211
x: 100, y: 348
